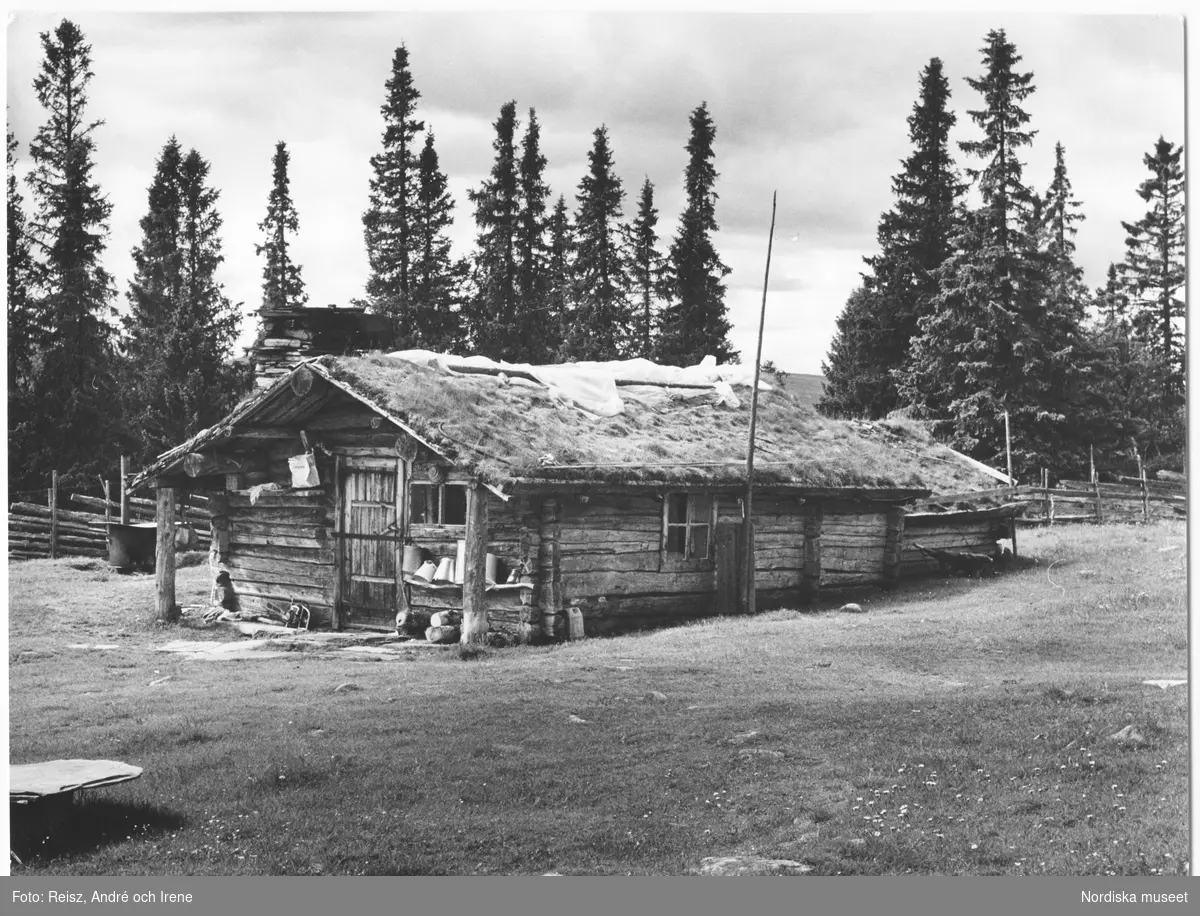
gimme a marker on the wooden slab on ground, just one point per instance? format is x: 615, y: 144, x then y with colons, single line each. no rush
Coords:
x: 29, y: 781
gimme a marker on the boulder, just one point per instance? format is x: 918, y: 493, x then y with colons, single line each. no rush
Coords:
x: 751, y: 865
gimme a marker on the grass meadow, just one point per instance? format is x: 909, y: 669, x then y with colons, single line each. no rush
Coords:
x: 956, y: 727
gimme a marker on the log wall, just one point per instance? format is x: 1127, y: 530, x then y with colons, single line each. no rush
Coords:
x: 972, y: 532
x: 853, y: 544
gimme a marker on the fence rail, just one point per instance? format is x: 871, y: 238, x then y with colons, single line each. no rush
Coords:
x: 1080, y: 501
x: 49, y: 531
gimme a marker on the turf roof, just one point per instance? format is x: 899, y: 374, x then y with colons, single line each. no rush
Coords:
x: 505, y: 430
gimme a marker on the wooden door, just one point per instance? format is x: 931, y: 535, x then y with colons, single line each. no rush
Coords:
x: 730, y: 591
x: 372, y: 518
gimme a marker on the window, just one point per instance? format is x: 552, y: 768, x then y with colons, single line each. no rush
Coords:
x: 687, y: 525
x: 438, y: 504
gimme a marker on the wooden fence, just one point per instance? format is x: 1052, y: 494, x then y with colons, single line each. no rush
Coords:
x: 1132, y: 500
x: 50, y: 531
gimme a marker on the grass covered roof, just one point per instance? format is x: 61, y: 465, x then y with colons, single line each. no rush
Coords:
x: 506, y: 429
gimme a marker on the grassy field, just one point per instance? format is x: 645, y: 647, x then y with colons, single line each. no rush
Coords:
x: 956, y: 727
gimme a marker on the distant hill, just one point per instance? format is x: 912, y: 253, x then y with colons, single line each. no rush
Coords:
x: 807, y: 388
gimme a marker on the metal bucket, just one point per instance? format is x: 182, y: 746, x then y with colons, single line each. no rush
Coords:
x: 132, y: 546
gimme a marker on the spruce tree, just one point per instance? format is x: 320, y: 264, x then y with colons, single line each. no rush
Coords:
x: 853, y: 379
x: 696, y: 323
x: 996, y: 339
x: 915, y: 237
x: 24, y: 337
x: 388, y: 221
x: 1154, y: 268
x: 532, y: 281
x: 282, y: 287
x: 181, y: 326
x: 495, y: 297
x: 72, y: 421
x: 436, y: 278
x: 601, y: 321
x: 560, y: 279
x: 649, y: 273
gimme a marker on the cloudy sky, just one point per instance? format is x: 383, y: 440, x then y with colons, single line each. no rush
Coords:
x: 813, y: 106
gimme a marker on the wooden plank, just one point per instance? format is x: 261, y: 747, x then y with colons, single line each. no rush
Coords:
x: 636, y: 583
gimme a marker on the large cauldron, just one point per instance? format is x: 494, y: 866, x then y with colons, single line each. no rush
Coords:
x: 132, y: 546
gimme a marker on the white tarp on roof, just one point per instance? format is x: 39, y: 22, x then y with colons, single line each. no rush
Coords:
x: 592, y: 386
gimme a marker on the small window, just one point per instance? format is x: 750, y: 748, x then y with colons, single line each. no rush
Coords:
x: 438, y: 504
x: 687, y: 525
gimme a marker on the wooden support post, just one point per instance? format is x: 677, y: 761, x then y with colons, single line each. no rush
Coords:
x: 893, y: 545
x: 1099, y: 505
x: 124, y: 491
x: 549, y: 572
x: 475, y: 621
x: 810, y: 582
x: 164, y: 557
x: 52, y: 499
x: 339, y: 540
x: 107, y: 504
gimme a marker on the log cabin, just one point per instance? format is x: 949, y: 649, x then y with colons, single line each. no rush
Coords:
x: 340, y: 479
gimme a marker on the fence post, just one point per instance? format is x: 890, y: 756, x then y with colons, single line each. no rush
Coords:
x: 52, y: 495
x: 124, y: 492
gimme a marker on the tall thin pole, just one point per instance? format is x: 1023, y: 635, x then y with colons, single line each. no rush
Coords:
x: 1008, y: 447
x: 748, y: 523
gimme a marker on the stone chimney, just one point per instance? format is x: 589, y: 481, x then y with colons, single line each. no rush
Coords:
x: 288, y: 337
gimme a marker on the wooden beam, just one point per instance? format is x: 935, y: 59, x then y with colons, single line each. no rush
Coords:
x: 204, y: 464
x: 164, y: 557
x: 475, y: 622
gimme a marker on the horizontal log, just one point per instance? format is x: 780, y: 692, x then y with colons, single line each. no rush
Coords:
x: 307, y: 543
x: 16, y: 523
x: 33, y: 510
x: 652, y: 607
x: 281, y: 566
x: 241, y: 498
x: 636, y: 583
x: 252, y: 527
x: 321, y: 577
x: 1003, y: 493
x: 610, y: 506
x: 320, y: 556
x: 285, y: 593
x: 640, y: 561
x: 294, y: 515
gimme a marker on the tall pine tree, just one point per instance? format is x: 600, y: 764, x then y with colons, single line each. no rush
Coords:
x: 181, y: 326
x: 282, y: 287
x: 600, y: 324
x: 388, y: 221
x: 649, y: 274
x: 696, y: 322
x: 436, y: 278
x: 495, y: 297
x: 915, y: 237
x: 1154, y: 268
x: 532, y: 254
x: 72, y: 418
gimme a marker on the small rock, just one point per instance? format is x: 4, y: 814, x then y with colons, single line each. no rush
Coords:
x: 751, y: 865
x: 342, y: 688
x: 574, y: 718
x: 823, y: 664
x: 744, y: 738
x: 657, y: 695
x: 852, y: 609
x: 1129, y: 736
